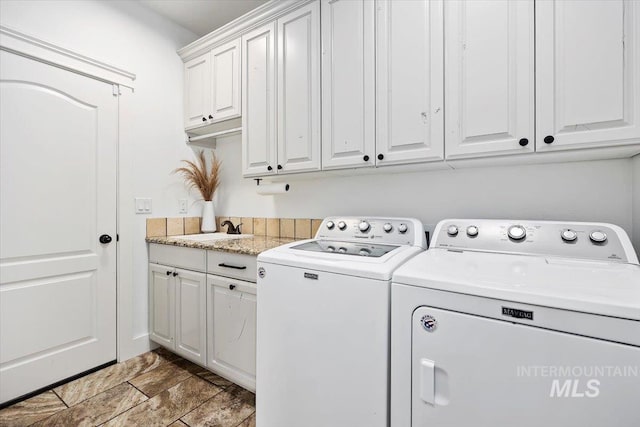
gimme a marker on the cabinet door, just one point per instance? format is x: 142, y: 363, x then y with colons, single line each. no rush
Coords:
x: 299, y: 90
x: 348, y: 83
x: 259, y: 102
x: 587, y: 74
x: 232, y: 329
x: 197, y: 91
x: 409, y: 83
x: 489, y: 85
x: 191, y: 315
x: 161, y: 305
x: 225, y: 81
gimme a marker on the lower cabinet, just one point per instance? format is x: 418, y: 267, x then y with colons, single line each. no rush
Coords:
x: 177, y: 318
x: 231, y: 335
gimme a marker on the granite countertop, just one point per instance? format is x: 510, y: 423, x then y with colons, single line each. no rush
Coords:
x: 246, y: 245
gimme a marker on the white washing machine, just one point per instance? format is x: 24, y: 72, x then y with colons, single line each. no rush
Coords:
x: 526, y: 323
x: 323, y: 323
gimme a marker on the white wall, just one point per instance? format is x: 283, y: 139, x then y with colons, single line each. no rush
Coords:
x: 580, y: 191
x: 636, y: 203
x: 128, y: 36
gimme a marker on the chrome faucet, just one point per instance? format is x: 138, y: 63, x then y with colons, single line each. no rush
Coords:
x: 231, y: 229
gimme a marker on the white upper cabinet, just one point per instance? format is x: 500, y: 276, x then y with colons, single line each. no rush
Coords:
x: 225, y: 81
x: 588, y: 73
x: 299, y: 90
x: 409, y: 86
x: 348, y: 83
x: 212, y: 86
x: 259, y: 152
x: 489, y: 84
x: 197, y: 92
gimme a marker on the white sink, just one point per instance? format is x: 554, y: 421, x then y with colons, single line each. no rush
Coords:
x: 211, y: 236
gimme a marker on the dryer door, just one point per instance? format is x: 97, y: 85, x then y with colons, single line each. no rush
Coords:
x: 470, y: 370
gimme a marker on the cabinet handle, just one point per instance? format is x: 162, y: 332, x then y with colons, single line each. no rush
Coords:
x: 232, y: 287
x: 380, y: 156
x: 365, y: 158
x: 237, y: 267
x: 210, y: 116
x: 523, y: 142
x: 279, y: 167
x: 269, y: 168
x: 204, y: 119
x: 548, y: 139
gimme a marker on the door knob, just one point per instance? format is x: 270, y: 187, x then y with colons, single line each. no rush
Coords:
x: 548, y: 139
x: 365, y: 158
x: 105, y: 238
x: 523, y: 142
x: 210, y: 116
x: 269, y: 168
x: 204, y: 119
x: 380, y: 156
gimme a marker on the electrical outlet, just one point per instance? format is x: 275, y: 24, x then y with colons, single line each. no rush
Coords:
x: 182, y: 206
x: 143, y: 205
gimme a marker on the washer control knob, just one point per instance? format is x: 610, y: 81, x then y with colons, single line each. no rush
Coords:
x: 342, y: 225
x: 364, y: 252
x: 330, y: 225
x: 402, y: 228
x: 331, y: 249
x: 364, y: 226
x: 568, y: 235
x: 598, y: 236
x: 342, y: 250
x: 472, y: 231
x: 452, y: 230
x: 387, y: 227
x: 517, y: 232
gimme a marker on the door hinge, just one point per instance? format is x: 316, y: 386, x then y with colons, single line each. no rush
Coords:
x: 116, y: 90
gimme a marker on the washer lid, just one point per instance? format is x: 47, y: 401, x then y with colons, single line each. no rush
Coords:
x: 606, y: 288
x: 379, y: 267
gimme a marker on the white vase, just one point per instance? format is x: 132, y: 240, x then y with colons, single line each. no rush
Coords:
x: 208, y: 218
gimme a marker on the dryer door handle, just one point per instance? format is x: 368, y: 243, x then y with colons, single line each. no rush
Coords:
x: 428, y: 381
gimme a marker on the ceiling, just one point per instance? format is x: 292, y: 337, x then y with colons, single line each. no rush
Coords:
x: 202, y: 16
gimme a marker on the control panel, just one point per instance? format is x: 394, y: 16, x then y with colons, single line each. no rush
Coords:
x: 594, y: 241
x: 398, y: 231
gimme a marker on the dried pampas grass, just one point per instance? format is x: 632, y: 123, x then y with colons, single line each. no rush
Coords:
x: 197, y: 176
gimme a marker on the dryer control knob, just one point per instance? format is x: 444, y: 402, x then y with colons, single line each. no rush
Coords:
x: 330, y: 225
x: 517, y: 232
x: 598, y: 236
x: 568, y: 235
x: 342, y: 250
x: 342, y: 225
x: 402, y: 228
x: 452, y: 230
x: 472, y: 231
x: 387, y: 227
x: 364, y: 226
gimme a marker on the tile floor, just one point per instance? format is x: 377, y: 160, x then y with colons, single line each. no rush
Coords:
x: 154, y: 389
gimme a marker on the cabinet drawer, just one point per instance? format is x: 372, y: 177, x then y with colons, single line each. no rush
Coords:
x: 175, y: 256
x: 227, y: 264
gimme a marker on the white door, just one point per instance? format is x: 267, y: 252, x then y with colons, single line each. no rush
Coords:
x: 475, y: 371
x: 409, y: 82
x: 58, y: 142
x: 161, y: 304
x: 259, y: 153
x: 299, y: 90
x: 348, y: 84
x: 232, y: 329
x: 191, y: 315
x: 197, y: 91
x: 225, y: 81
x: 587, y: 74
x: 489, y: 78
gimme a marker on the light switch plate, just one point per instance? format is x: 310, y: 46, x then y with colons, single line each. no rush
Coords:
x: 143, y: 205
x: 182, y: 206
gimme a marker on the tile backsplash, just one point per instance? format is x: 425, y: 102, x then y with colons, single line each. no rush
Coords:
x: 299, y: 228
